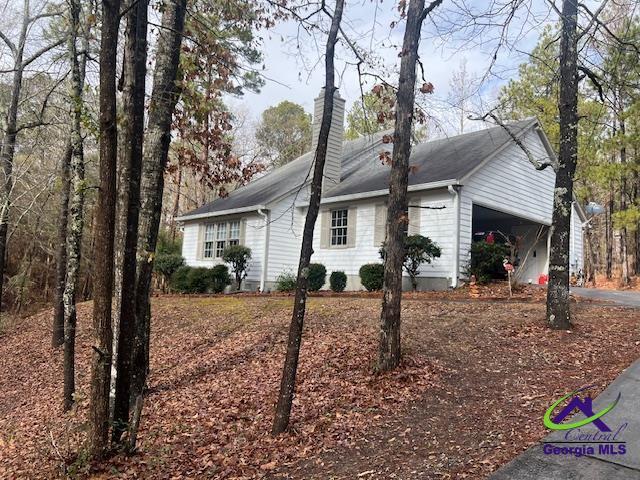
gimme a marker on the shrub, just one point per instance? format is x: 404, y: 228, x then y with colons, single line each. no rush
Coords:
x: 372, y: 276
x: 486, y: 261
x: 167, y: 245
x: 338, y: 281
x: 238, y: 256
x: 418, y: 250
x: 317, y: 276
x: 286, y: 282
x: 165, y: 265
x: 200, y: 279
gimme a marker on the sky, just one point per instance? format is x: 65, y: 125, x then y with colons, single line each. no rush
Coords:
x: 298, y: 74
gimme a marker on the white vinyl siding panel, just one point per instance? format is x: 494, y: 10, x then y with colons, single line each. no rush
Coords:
x: 285, y: 236
x: 251, y: 224
x: 508, y: 183
x: 435, y: 224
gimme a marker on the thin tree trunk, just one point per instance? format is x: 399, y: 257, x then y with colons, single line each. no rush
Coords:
x: 558, y: 307
x: 288, y: 382
x: 609, y: 236
x: 7, y: 149
x: 176, y: 203
x: 134, y: 90
x: 104, y: 234
x: 624, y: 259
x: 389, y: 351
x: 76, y: 210
x: 57, y: 338
x: 156, y: 149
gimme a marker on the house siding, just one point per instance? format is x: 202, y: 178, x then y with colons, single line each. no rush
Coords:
x: 285, y: 236
x: 509, y: 183
x: 435, y: 224
x: 254, y: 239
x: 576, y: 246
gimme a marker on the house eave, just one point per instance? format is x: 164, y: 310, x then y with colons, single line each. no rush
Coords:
x: 380, y: 193
x: 220, y: 213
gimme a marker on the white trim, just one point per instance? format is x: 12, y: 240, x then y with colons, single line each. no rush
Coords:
x: 265, y: 256
x: 380, y: 193
x: 220, y: 213
x: 509, y: 211
x: 456, y: 226
x: 496, y: 152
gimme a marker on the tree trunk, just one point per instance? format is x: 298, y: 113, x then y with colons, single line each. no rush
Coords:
x: 288, y: 382
x: 176, y: 203
x: 397, y: 211
x: 134, y: 90
x: 609, y: 236
x: 76, y: 210
x: 558, y: 307
x: 57, y: 338
x: 7, y: 150
x: 624, y: 259
x: 104, y: 234
x: 156, y: 149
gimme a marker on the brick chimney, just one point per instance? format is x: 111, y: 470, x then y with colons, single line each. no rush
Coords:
x: 332, y: 166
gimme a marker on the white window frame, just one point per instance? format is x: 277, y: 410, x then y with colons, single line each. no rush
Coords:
x: 338, y: 228
x: 218, y: 236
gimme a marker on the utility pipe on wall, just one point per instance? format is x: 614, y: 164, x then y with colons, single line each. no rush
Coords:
x: 454, y: 190
x: 265, y: 252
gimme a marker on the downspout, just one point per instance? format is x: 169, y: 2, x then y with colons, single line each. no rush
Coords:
x: 265, y: 253
x: 454, y: 190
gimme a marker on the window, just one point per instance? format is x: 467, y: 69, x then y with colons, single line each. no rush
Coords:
x: 208, y: 240
x: 221, y: 237
x: 339, y: 227
x: 234, y: 233
x: 218, y: 236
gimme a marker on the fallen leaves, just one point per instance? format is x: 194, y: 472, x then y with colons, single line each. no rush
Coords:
x: 468, y: 397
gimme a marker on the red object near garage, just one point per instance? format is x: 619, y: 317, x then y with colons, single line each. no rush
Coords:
x: 543, y: 279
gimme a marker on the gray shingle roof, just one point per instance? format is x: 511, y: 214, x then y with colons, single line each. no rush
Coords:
x: 448, y: 158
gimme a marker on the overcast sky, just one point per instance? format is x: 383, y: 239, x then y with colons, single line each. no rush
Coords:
x: 297, y: 75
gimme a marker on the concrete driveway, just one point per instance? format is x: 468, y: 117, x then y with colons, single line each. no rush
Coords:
x: 627, y: 298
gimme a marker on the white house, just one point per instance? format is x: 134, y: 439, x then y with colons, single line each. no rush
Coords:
x: 480, y: 182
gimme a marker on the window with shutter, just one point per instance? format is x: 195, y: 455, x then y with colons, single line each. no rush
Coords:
x: 339, y: 219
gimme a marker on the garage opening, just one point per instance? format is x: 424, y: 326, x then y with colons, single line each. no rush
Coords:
x: 523, y: 241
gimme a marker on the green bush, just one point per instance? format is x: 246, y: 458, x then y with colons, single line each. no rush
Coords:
x: 166, y: 245
x: 418, y: 249
x: 238, y: 256
x: 372, y: 276
x: 200, y: 279
x: 338, y: 281
x: 286, y: 282
x: 486, y: 261
x: 167, y: 264
x: 317, y: 276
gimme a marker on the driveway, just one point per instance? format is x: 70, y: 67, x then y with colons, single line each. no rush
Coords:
x: 627, y: 298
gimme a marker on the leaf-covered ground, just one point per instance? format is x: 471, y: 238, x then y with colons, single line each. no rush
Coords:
x: 476, y: 380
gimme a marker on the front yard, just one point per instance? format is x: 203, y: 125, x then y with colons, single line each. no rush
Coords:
x: 476, y: 380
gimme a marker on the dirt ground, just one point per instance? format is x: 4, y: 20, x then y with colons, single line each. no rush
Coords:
x: 475, y: 382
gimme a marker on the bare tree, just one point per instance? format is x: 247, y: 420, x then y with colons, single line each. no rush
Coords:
x: 156, y: 149
x: 558, y: 308
x: 397, y: 213
x: 104, y: 234
x: 134, y: 89
x: 57, y: 338
x: 288, y: 382
x: 75, y: 221
x: 21, y: 60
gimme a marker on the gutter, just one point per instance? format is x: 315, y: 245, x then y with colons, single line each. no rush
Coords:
x: 455, y: 191
x: 380, y: 193
x: 231, y: 211
x: 265, y: 253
